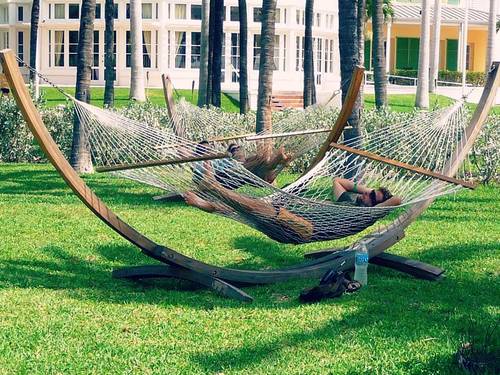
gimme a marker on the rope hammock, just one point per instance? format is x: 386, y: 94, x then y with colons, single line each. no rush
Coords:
x: 303, y: 212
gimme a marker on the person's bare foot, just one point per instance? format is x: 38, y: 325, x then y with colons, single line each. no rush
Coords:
x: 191, y: 198
x: 285, y: 158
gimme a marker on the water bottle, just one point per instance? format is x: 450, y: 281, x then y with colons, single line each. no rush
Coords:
x: 361, y: 264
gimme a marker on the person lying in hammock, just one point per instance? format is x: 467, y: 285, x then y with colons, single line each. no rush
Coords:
x: 263, y: 166
x: 269, y: 214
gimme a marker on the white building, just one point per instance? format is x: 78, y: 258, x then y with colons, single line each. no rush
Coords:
x: 171, y: 40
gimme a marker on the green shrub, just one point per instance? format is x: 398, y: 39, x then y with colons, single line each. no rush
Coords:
x: 473, y: 78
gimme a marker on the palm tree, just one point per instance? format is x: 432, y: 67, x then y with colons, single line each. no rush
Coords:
x: 491, y: 33
x: 35, y: 16
x: 217, y: 63
x: 435, y: 38
x: 242, y: 9
x: 266, y: 67
x: 422, y: 97
x: 349, y: 58
x: 309, y: 84
x: 109, y: 58
x: 80, y: 154
x: 137, y: 91
x: 202, y: 86
x: 379, y: 63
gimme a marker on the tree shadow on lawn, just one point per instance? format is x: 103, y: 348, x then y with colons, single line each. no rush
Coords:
x: 403, y: 309
x: 89, y: 277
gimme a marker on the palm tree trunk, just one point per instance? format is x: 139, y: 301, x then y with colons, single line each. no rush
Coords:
x: 244, y: 104
x: 422, y: 98
x: 435, y: 47
x: 492, y: 23
x: 137, y: 91
x: 266, y: 67
x: 80, y: 154
x: 35, y: 16
x: 349, y: 58
x: 109, y: 59
x: 202, y: 86
x: 361, y: 21
x: 211, y: 36
x: 379, y: 75
x: 217, y: 63
x: 309, y: 84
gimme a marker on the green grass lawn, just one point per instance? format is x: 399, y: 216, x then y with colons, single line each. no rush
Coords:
x: 54, y: 97
x: 61, y: 312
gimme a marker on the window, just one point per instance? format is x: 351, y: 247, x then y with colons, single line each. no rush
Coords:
x: 4, y: 39
x: 257, y: 15
x: 196, y: 12
x: 407, y: 53
x: 20, y: 13
x: 127, y: 11
x: 235, y: 57
x: 73, y: 48
x: 156, y: 48
x: 180, y: 11
x: 319, y: 54
x: 329, y: 56
x: 128, y: 50
x: 59, y: 48
x: 276, y: 59
x: 59, y: 11
x: 146, y: 49
x: 195, y: 50
x: 147, y: 11
x: 284, y: 52
x: 234, y: 14
x: 318, y: 20
x: 74, y: 11
x: 277, y: 15
x: 299, y: 54
x: 20, y: 46
x: 300, y: 17
x: 180, y: 49
x: 95, y: 56
x: 98, y: 11
x: 368, y: 54
x: 256, y: 51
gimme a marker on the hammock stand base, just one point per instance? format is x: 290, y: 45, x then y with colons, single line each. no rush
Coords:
x: 412, y: 267
x: 221, y: 279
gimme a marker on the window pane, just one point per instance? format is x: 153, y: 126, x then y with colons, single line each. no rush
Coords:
x: 116, y: 11
x: 20, y: 13
x: 235, y: 14
x: 127, y: 11
x: 146, y: 49
x: 95, y: 57
x: 195, y: 50
x: 147, y: 11
x: 58, y: 48
x: 128, y: 50
x: 257, y: 14
x: 180, y: 49
x: 73, y: 48
x: 59, y: 11
x: 180, y: 11
x: 196, y: 12
x: 256, y: 51
x: 98, y: 11
x: 74, y: 11
x: 277, y: 16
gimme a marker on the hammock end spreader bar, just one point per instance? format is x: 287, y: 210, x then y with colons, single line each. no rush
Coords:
x: 156, y: 163
x: 402, y: 165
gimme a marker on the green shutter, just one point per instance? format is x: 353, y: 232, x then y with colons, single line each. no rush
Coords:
x: 368, y: 50
x: 413, y: 53
x: 402, y: 53
x: 407, y: 53
x: 452, y: 55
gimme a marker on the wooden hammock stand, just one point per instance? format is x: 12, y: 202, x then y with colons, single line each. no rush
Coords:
x: 225, y: 280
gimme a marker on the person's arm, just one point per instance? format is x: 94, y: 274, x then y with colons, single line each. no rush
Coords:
x: 341, y: 185
x: 394, y: 201
x: 193, y: 200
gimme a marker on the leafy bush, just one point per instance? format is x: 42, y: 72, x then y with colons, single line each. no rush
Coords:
x: 473, y: 78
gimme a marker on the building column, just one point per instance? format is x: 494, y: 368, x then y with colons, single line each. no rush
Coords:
x: 388, y: 48
x: 163, y: 39
x: 460, y: 46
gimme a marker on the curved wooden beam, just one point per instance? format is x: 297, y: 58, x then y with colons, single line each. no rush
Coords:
x: 168, y: 93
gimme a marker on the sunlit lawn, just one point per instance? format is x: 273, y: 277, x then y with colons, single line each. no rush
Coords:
x: 61, y: 312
